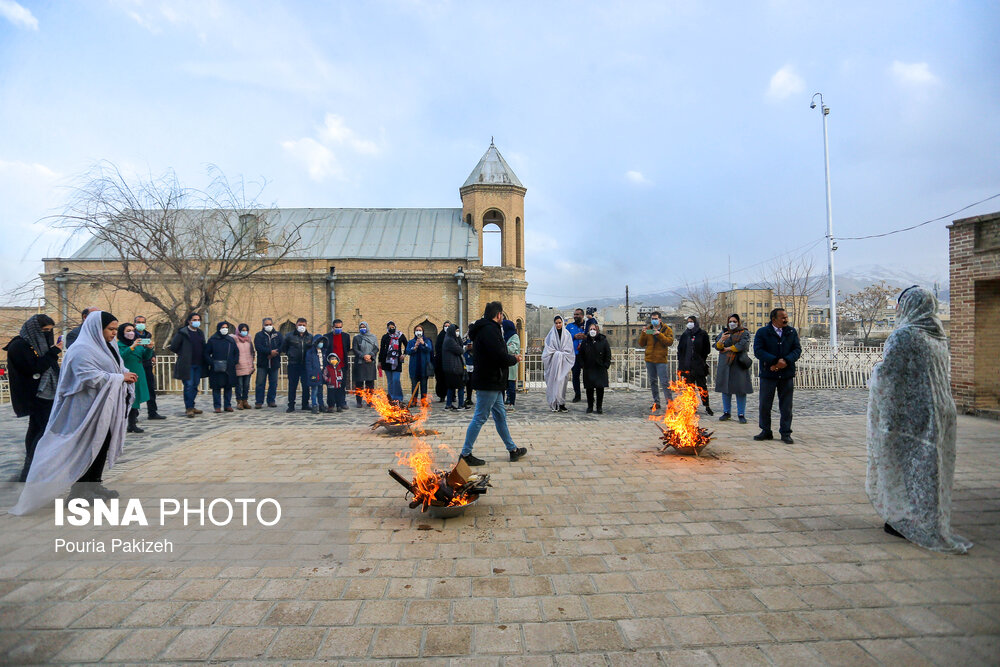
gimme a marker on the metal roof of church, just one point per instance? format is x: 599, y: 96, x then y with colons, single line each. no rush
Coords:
x: 364, y: 233
x: 492, y: 170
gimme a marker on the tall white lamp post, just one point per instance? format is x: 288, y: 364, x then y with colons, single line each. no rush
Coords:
x: 831, y: 245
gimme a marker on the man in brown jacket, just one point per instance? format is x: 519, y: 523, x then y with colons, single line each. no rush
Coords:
x: 657, y: 339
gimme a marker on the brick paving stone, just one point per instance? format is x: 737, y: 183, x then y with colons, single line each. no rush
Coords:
x: 452, y: 640
x: 90, y: 646
x: 194, y: 644
x: 245, y: 643
x: 500, y: 638
x: 346, y: 642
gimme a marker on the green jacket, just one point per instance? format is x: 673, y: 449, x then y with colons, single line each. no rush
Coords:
x: 133, y: 361
x: 513, y: 347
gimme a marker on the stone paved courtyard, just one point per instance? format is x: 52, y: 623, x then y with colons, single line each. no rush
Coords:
x: 589, y: 551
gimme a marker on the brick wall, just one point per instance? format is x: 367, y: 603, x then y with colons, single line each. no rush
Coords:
x: 975, y: 312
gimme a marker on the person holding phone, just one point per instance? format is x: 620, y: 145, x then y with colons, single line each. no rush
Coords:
x: 657, y: 338
x: 146, y: 338
x: 134, y: 354
x: 420, y: 350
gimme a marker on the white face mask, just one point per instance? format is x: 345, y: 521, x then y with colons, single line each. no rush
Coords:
x: 300, y: 329
x: 140, y: 327
x: 733, y: 325
x: 224, y: 331
x: 419, y: 334
x: 268, y: 328
x: 593, y: 333
x: 690, y: 325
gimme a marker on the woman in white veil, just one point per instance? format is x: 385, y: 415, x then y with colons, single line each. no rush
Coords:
x: 557, y: 363
x: 87, y: 428
x: 911, y: 429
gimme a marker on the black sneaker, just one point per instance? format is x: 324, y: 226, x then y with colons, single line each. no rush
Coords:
x: 599, y: 411
x: 576, y: 399
x: 473, y: 461
x: 562, y: 408
x: 743, y: 420
x: 787, y: 439
x: 764, y: 435
x: 468, y: 406
x: 155, y: 415
x: 725, y: 417
x: 708, y: 410
x: 517, y: 453
x: 590, y: 410
x: 656, y: 406
x: 315, y: 409
x: 101, y: 491
x: 291, y: 408
x: 892, y: 531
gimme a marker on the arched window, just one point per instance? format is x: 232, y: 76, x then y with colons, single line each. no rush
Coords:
x: 468, y: 219
x: 493, y: 238
x: 519, y: 235
x: 430, y: 332
x: 287, y: 328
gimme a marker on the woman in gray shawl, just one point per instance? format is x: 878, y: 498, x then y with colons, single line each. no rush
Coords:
x: 365, y: 349
x: 911, y: 429
x: 87, y: 426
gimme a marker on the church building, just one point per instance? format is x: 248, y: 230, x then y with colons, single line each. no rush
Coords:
x: 414, y: 266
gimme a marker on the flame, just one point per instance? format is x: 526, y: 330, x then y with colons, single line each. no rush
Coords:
x: 428, y: 480
x: 391, y: 413
x: 680, y: 422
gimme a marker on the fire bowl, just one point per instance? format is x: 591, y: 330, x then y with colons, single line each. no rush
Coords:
x: 438, y: 512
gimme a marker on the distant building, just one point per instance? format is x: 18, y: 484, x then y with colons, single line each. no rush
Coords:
x: 538, y: 322
x: 974, y: 259
x: 755, y: 305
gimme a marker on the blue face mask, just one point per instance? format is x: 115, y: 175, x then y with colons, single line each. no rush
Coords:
x: 195, y: 324
x: 337, y: 330
x: 364, y: 329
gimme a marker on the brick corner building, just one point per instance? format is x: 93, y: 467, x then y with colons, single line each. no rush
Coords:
x: 974, y: 249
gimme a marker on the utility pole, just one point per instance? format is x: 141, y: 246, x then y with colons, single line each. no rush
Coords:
x: 628, y: 335
x: 831, y: 245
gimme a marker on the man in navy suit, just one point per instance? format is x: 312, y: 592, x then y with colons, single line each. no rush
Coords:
x: 777, y: 348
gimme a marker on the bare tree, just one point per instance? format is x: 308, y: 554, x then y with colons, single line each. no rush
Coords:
x: 866, y: 306
x: 177, y: 248
x: 792, y: 285
x: 704, y: 302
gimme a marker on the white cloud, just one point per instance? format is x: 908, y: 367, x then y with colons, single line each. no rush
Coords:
x: 785, y: 83
x: 912, y: 74
x: 18, y: 15
x: 334, y: 139
x: 635, y: 177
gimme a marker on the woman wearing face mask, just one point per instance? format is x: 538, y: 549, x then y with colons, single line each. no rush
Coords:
x: 86, y: 430
x: 420, y: 350
x: 453, y: 368
x: 557, y: 363
x: 731, y: 376
x: 365, y: 349
x: 244, y: 365
x: 133, y: 353
x: 692, y: 357
x: 391, y: 355
x: 221, y: 356
x: 513, y: 348
x: 595, y: 357
x: 314, y: 376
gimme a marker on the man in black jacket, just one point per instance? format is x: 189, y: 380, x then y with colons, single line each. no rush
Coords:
x: 267, y: 344
x: 489, y: 379
x: 189, y: 346
x: 693, y: 347
x: 777, y: 348
x: 440, y: 381
x: 33, y: 372
x: 75, y: 331
x: 295, y: 346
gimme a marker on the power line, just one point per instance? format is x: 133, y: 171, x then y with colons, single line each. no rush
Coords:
x: 926, y: 222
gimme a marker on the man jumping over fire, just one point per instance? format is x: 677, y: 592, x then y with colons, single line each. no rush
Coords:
x: 489, y: 379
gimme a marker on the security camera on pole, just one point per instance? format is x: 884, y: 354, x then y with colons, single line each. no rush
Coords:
x: 831, y: 246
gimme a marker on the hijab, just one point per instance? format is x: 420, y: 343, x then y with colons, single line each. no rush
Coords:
x: 918, y: 309
x: 509, y: 330
x: 31, y: 332
x: 121, y: 333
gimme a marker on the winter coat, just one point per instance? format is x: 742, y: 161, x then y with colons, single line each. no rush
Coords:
x: 768, y: 347
x: 328, y: 347
x: 658, y: 344
x: 696, y: 338
x: 314, y: 361
x: 595, y: 356
x: 383, y: 353
x: 133, y: 360
x: 333, y: 376
x: 73, y: 334
x: 513, y: 347
x: 296, y: 347
x: 221, y: 348
x: 24, y: 368
x: 453, y: 362
x: 263, y: 343
x: 489, y: 356
x: 421, y: 358
x: 730, y: 377
x: 148, y: 363
x: 187, y: 357
x: 365, y: 344
x: 245, y: 355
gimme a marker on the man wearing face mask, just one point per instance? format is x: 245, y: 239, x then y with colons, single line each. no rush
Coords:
x: 33, y: 372
x: 365, y: 352
x: 390, y: 358
x: 146, y: 337
x: 296, y: 346
x: 267, y: 344
x: 338, y: 343
x: 692, y: 357
x: 577, y: 329
x: 189, y: 346
x: 657, y: 339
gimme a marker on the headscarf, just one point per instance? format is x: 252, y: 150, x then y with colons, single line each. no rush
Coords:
x: 557, y: 363
x: 223, y: 323
x: 917, y: 307
x: 121, y: 333
x: 453, y: 330
x: 31, y: 332
x: 242, y: 325
x: 509, y: 330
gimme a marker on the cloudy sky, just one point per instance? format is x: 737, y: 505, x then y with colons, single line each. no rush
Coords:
x: 659, y: 141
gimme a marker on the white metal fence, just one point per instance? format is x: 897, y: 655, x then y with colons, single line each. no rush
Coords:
x: 818, y: 368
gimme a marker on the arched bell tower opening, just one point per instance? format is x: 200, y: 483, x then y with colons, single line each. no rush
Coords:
x: 493, y: 238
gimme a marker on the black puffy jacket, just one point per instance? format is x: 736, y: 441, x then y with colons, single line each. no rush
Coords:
x: 490, y: 357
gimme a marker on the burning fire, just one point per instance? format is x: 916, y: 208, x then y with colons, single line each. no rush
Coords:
x: 392, y: 414
x: 680, y: 421
x: 431, y: 486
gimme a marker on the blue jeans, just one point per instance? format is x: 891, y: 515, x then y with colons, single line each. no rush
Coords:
x: 242, y: 387
x: 450, y: 397
x: 488, y: 402
x: 217, y: 397
x: 297, y: 375
x: 191, y: 387
x: 657, y: 374
x: 422, y: 382
x: 395, y: 388
x: 267, y: 377
x: 511, y: 391
x: 316, y: 396
x: 741, y: 404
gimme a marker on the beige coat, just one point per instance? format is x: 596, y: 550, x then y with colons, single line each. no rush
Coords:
x: 658, y: 344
